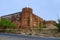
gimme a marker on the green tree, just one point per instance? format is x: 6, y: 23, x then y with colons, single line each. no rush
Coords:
x: 58, y: 25
x: 40, y: 26
x: 5, y: 23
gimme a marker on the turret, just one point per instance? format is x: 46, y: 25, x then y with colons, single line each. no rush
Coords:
x: 26, y: 9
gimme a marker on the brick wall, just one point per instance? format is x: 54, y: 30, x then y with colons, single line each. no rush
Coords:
x: 25, y: 19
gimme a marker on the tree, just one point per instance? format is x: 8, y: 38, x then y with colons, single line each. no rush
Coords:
x: 6, y: 23
x: 40, y: 26
x: 58, y: 25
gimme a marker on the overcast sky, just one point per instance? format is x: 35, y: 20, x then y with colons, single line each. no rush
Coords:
x: 46, y: 9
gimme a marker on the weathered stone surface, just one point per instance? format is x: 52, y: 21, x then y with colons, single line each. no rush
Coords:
x: 50, y: 24
x: 25, y: 19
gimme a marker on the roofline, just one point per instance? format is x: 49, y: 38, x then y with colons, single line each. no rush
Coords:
x: 11, y: 14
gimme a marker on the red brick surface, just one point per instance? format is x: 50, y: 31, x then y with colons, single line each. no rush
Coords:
x: 25, y: 19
